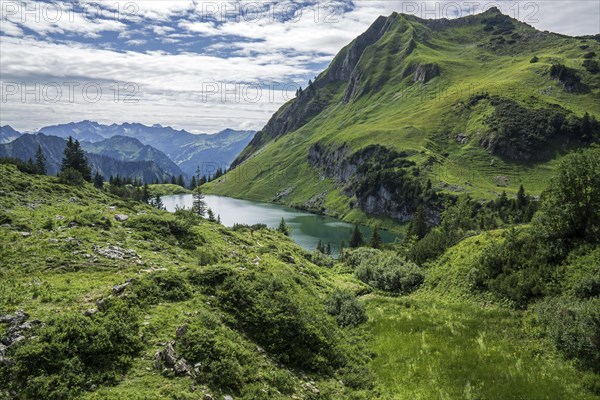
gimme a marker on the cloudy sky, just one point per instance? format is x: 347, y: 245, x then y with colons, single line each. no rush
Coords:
x: 198, y: 65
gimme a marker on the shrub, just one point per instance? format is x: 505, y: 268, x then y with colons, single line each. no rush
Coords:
x: 207, y: 257
x: 574, y: 326
x: 354, y: 258
x: 534, y: 60
x: 161, y: 286
x: 71, y: 177
x: 283, y: 318
x: 73, y: 352
x: 172, y: 229
x: 218, y: 349
x: 346, y: 309
x: 517, y: 268
x: 390, y: 272
x: 591, y: 66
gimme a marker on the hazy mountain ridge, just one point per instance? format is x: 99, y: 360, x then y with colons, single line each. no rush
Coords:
x: 8, y: 134
x: 53, y: 148
x: 185, y: 149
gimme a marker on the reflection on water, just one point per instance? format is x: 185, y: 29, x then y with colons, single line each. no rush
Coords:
x: 307, y: 228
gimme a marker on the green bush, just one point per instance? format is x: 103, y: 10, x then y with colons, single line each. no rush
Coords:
x: 170, y: 228
x: 516, y: 268
x: 346, y: 309
x: 389, y: 272
x: 71, y: 353
x: 224, y: 360
x: 354, y: 257
x: 574, y: 326
x: 71, y: 177
x: 161, y: 286
x: 281, y: 316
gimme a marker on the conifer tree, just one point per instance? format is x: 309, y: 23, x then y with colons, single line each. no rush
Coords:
x: 283, y: 228
x: 418, y: 225
x: 211, y: 215
x: 40, y: 161
x: 199, y: 205
x: 375, y: 241
x: 74, y: 158
x: 98, y: 181
x: 357, y: 239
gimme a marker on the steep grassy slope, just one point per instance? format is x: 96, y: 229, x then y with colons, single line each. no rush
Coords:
x: 244, y: 309
x: 453, y: 97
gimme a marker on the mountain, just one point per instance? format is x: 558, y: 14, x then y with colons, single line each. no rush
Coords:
x: 8, y: 134
x: 130, y: 149
x: 53, y: 147
x: 414, y: 108
x: 186, y: 149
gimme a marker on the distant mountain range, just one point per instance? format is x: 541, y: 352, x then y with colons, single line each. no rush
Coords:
x: 185, y: 149
x: 8, y: 134
x: 99, y: 158
x: 135, y: 150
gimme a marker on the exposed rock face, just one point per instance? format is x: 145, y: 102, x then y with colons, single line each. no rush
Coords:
x: 17, y: 327
x: 425, y: 73
x: 167, y: 359
x: 372, y: 175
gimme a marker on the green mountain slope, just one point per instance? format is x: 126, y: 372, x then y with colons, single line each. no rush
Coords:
x: 164, y: 306
x: 475, y: 105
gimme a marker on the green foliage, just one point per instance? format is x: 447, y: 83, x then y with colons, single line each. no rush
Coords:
x: 375, y: 241
x: 534, y: 60
x: 571, y: 205
x: 357, y: 239
x: 279, y: 315
x: 175, y: 229
x: 74, y: 158
x: 71, y: 176
x: 161, y: 286
x: 521, y: 133
x: 567, y: 76
x: 346, y: 309
x: 283, y: 228
x: 574, y: 326
x: 40, y: 161
x: 591, y: 66
x: 385, y: 271
x: 73, y: 352
x: 224, y: 360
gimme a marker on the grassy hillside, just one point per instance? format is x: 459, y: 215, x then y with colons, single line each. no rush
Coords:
x: 250, y: 313
x: 453, y: 97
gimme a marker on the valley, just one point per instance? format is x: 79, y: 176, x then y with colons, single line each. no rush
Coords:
x: 421, y: 221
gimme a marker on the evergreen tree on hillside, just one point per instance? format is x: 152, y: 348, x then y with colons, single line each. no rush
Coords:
x: 98, y: 181
x: 199, y: 204
x: 375, y: 241
x: 74, y: 158
x: 145, y: 198
x: 210, y: 215
x: 157, y: 202
x: 40, y: 161
x: 218, y: 218
x: 193, y: 183
x: 283, y: 228
x: 357, y: 238
x: 342, y: 247
x: 418, y: 225
x: 173, y: 180
x: 181, y: 181
x: 328, y: 249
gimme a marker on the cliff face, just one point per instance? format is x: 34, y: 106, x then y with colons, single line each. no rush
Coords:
x: 376, y: 177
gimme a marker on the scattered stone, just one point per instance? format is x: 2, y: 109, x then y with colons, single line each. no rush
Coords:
x: 25, y: 234
x: 501, y: 181
x: 90, y: 312
x: 208, y: 396
x: 74, y: 200
x: 2, y: 193
x: 182, y: 367
x: 73, y: 224
x: 112, y: 208
x: 182, y: 330
x: 227, y: 397
x: 115, y: 252
x: 118, y: 289
x: 121, y: 217
x: 59, y: 217
x: 461, y: 138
